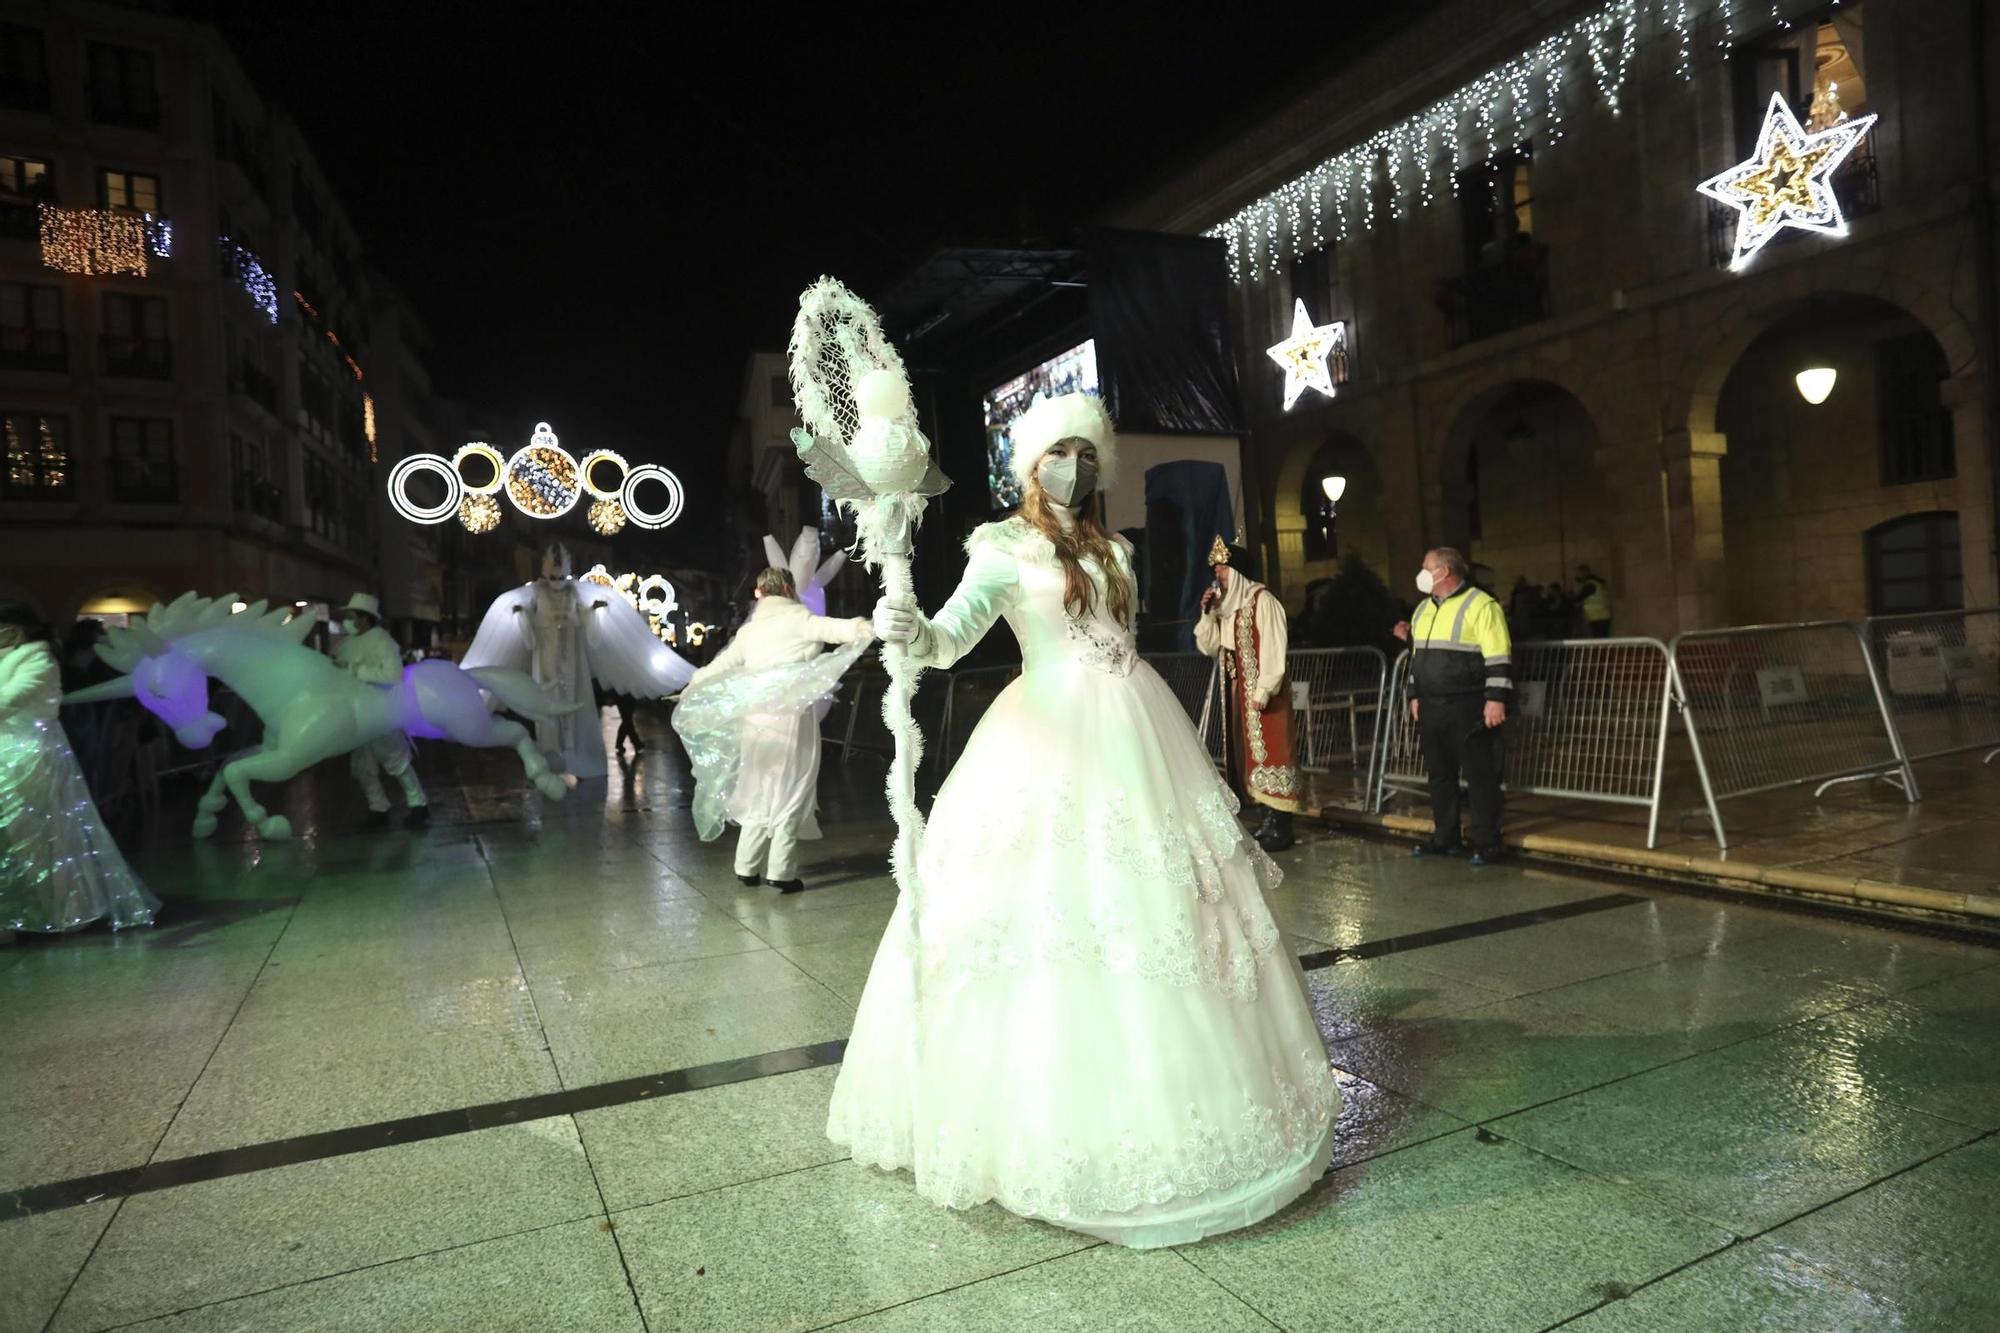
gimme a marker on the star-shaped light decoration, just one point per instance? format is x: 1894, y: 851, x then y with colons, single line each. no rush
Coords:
x: 1304, y: 354
x: 1788, y: 183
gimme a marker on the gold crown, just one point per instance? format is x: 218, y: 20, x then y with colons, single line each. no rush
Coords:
x: 1218, y: 554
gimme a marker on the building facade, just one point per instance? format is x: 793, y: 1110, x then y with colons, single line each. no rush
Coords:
x: 193, y: 388
x: 1558, y: 351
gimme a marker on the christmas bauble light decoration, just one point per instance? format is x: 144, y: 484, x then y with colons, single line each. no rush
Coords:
x: 1303, y: 355
x: 1788, y: 182
x: 542, y: 478
x: 607, y: 517
x: 479, y: 514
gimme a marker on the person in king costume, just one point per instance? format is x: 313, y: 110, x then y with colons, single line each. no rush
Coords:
x: 1094, y: 1018
x: 752, y: 732
x: 567, y: 634
x: 368, y: 653
x: 1243, y: 626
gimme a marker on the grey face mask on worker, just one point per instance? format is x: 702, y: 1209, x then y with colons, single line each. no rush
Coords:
x: 1067, y: 481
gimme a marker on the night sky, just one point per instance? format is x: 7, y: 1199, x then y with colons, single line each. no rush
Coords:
x: 600, y: 209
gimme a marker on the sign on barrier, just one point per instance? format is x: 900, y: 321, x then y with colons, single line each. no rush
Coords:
x: 1942, y: 669
x: 1774, y: 706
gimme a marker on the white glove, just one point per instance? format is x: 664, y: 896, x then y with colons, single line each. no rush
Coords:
x: 897, y: 623
x: 864, y: 631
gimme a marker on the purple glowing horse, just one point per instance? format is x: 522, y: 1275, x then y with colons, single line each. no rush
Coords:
x: 311, y: 709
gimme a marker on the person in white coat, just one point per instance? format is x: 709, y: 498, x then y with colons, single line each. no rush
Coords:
x: 749, y: 724
x: 59, y: 868
x: 369, y: 654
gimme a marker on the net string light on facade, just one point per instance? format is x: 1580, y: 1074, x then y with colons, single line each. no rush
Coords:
x: 94, y: 240
x: 1520, y: 98
x: 251, y: 275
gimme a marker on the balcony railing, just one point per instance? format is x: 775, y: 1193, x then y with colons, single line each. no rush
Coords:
x: 1506, y: 294
x: 1857, y: 187
x: 138, y: 358
x: 33, y: 349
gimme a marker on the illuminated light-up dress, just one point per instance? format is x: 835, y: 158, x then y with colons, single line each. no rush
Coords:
x: 59, y: 868
x: 1110, y: 1034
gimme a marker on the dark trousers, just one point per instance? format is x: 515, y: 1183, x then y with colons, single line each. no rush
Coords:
x: 1457, y: 742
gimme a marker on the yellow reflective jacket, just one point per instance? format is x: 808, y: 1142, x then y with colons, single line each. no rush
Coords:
x: 1460, y: 645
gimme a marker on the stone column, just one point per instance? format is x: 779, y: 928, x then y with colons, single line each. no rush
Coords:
x: 1667, y: 510
x: 1976, y: 537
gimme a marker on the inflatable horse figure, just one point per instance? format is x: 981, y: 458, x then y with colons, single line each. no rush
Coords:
x: 310, y: 708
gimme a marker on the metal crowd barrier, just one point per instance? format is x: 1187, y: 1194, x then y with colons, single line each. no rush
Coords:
x: 1588, y: 723
x: 968, y: 695
x: 1193, y: 679
x: 1941, y: 670
x: 1774, y: 706
x: 1338, y: 693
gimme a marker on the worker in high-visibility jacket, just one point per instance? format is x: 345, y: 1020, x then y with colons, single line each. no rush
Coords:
x: 1461, y: 682
x: 1594, y: 599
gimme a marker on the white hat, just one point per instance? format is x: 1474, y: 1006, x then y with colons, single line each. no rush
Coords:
x: 1072, y: 416
x: 366, y: 604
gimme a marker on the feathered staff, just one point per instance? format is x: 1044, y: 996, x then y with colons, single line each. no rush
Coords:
x: 863, y: 447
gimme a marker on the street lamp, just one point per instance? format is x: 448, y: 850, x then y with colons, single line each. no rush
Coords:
x: 1816, y: 383
x: 1334, y: 488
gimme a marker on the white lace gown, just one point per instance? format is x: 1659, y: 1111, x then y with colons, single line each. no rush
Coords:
x: 1110, y: 1033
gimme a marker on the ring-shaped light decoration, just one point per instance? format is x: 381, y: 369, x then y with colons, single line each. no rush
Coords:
x: 399, y: 480
x: 480, y: 449
x: 542, y: 478
x: 656, y: 595
x: 590, y: 462
x: 651, y: 518
x: 599, y: 574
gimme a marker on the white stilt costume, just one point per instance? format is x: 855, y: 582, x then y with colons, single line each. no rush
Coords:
x: 568, y: 634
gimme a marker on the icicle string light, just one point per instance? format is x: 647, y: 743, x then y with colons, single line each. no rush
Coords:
x: 1505, y: 105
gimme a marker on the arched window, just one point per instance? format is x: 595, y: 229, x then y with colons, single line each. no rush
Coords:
x: 1913, y: 565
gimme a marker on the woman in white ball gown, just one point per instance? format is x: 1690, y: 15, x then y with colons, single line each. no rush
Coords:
x: 59, y: 868
x: 1108, y: 1031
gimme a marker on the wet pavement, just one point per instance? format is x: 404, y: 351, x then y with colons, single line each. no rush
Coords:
x: 553, y: 1067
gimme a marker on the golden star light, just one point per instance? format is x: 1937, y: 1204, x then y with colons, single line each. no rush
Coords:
x: 1303, y: 355
x: 1788, y: 182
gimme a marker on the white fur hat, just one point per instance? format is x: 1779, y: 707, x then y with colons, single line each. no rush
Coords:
x: 1072, y: 416
x: 366, y: 604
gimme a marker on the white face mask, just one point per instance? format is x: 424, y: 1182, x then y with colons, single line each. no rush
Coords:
x: 1425, y: 582
x: 1067, y: 481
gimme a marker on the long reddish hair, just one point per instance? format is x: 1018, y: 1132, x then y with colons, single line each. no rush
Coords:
x: 1087, y: 540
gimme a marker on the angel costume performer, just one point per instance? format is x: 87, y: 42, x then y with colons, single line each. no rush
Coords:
x: 59, y: 868
x: 567, y: 634
x: 752, y: 733
x: 1108, y: 1031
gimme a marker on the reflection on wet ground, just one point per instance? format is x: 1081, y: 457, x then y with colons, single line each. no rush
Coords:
x: 552, y: 1066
